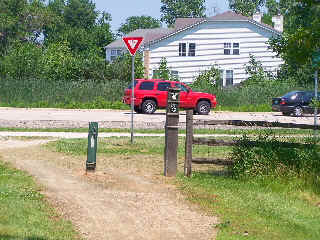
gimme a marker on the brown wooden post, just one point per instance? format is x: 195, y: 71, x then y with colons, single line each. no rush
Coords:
x: 171, y: 137
x: 188, y: 146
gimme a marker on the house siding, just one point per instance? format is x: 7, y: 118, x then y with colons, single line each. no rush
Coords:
x: 209, y: 38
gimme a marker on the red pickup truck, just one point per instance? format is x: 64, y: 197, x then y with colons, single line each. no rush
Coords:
x: 152, y: 94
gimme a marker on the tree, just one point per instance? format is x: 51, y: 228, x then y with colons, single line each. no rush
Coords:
x: 80, y: 13
x: 121, y: 68
x: 138, y: 22
x: 302, y: 39
x: 59, y: 64
x: 173, y: 9
x: 78, y: 23
x: 21, y: 61
x: 246, y: 7
x: 21, y: 20
x: 208, y: 80
x: 163, y: 72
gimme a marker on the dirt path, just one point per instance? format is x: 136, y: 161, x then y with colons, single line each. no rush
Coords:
x: 126, y: 207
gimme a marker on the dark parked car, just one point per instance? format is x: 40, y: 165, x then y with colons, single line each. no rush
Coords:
x: 295, y: 102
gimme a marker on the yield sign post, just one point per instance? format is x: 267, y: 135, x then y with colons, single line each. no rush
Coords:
x: 132, y: 43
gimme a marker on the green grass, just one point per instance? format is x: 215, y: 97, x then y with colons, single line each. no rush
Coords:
x: 25, y: 214
x: 256, y: 209
x: 158, y: 131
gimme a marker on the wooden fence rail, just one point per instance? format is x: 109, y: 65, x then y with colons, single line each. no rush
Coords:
x: 190, y: 140
x: 256, y: 124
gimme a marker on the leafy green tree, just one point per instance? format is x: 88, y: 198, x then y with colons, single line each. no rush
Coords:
x: 80, y: 13
x: 246, y: 7
x: 256, y: 72
x: 21, y: 61
x: 59, y: 64
x: 273, y: 7
x: 302, y: 38
x: 120, y: 69
x: 21, y: 20
x: 208, y: 80
x: 93, y: 31
x: 163, y: 72
x: 173, y: 9
x: 138, y: 22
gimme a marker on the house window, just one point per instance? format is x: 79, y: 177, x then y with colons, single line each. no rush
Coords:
x: 192, y: 49
x: 235, y: 49
x: 229, y: 77
x: 231, y: 48
x: 227, y: 48
x: 115, y: 53
x: 182, y: 49
x: 175, y: 75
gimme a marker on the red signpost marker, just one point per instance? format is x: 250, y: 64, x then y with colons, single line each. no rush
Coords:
x: 132, y: 43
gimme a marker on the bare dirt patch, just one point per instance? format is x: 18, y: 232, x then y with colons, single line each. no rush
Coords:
x: 116, y: 202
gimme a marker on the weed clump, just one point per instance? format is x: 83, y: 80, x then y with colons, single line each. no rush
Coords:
x: 269, y: 155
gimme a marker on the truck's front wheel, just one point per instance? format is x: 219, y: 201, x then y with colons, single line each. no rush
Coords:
x: 203, y: 108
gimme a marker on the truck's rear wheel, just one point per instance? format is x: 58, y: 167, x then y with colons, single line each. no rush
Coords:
x: 149, y: 106
x: 203, y: 108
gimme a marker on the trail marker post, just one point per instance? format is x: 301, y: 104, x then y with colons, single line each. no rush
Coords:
x: 92, y: 146
x: 171, y: 129
x: 132, y: 44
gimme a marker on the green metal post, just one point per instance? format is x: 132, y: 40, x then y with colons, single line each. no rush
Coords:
x: 92, y: 146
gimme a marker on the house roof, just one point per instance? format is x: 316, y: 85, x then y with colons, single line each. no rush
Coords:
x: 147, y: 34
x: 229, y: 16
x: 155, y: 35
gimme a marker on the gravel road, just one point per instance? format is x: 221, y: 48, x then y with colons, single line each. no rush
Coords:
x: 62, y: 118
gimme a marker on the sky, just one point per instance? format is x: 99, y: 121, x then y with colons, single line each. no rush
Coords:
x: 120, y: 10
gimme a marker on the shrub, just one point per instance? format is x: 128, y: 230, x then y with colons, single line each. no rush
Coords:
x: 59, y: 64
x: 209, y: 80
x: 21, y: 61
x: 269, y: 158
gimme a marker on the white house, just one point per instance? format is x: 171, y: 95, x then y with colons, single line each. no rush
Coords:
x: 196, y: 44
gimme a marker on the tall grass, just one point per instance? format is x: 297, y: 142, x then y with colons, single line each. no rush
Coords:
x: 34, y: 92
x: 255, y: 97
x: 65, y: 94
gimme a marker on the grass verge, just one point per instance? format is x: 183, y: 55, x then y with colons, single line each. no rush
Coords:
x: 256, y: 209
x: 25, y: 214
x: 233, y: 131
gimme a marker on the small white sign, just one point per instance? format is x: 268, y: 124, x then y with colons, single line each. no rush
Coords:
x: 92, y: 142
